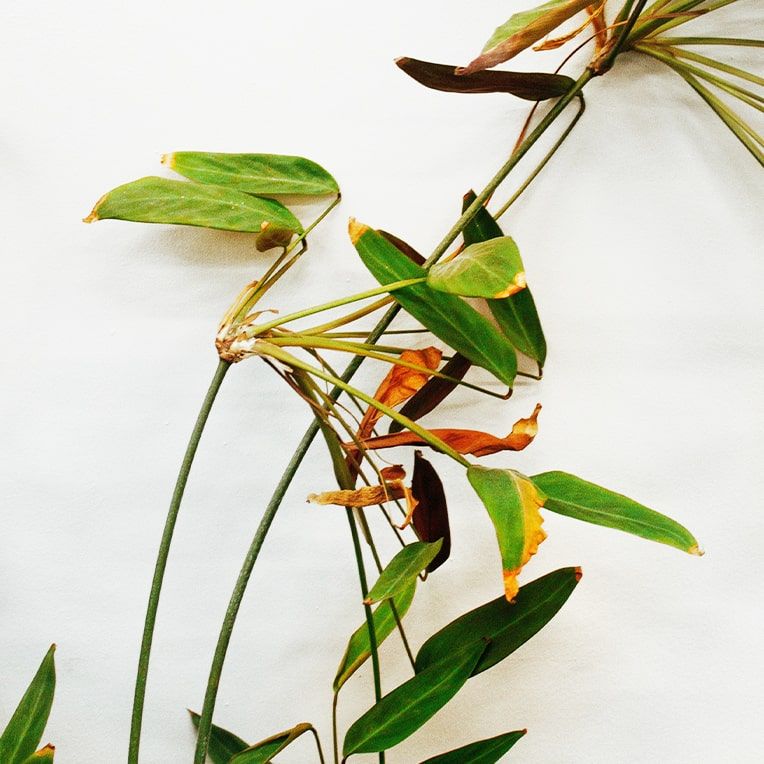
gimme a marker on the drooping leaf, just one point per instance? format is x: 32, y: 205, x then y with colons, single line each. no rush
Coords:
x: 434, y: 391
x: 265, y: 750
x: 521, y: 31
x: 570, y: 495
x: 223, y: 744
x: 516, y: 315
x: 506, y: 625
x: 513, y: 505
x: 24, y: 731
x: 447, y: 316
x: 366, y: 496
x: 402, y: 570
x: 430, y: 518
x: 159, y: 200
x: 359, y: 647
x: 532, y: 86
x: 490, y: 268
x: 254, y: 173
x: 403, y: 711
x: 472, y: 442
x: 487, y: 751
x: 44, y: 756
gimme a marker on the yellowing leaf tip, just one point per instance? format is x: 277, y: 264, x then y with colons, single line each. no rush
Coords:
x: 695, y: 550
x: 168, y: 160
x: 517, y: 284
x: 578, y: 573
x: 356, y: 230
x: 93, y: 216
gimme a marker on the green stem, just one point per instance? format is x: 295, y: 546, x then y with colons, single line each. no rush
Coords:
x: 621, y: 36
x: 224, y: 638
x: 161, y: 563
x: 741, y: 41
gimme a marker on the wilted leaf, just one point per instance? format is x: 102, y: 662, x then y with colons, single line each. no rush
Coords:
x: 159, y: 200
x: 513, y: 505
x: 366, y: 496
x: 265, y: 750
x: 506, y: 625
x: 490, y: 268
x: 223, y: 744
x: 516, y: 315
x: 43, y: 756
x: 254, y: 173
x: 522, y: 30
x: 487, y: 751
x: 532, y: 86
x: 435, y: 390
x: 430, y: 518
x: 272, y: 236
x: 403, y: 711
x: 472, y: 442
x: 447, y: 316
x: 402, y: 570
x: 24, y: 731
x: 570, y: 495
x: 359, y: 647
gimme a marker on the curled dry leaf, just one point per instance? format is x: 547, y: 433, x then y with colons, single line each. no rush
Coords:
x: 472, y: 442
x: 594, y: 17
x: 430, y: 518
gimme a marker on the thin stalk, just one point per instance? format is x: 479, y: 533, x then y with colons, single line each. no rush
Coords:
x: 741, y: 41
x: 349, y: 318
x: 161, y: 563
x: 224, y: 638
x: 721, y: 66
x: 650, y: 26
x: 318, y: 745
x: 620, y: 37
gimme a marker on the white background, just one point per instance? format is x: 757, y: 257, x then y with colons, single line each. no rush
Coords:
x: 642, y: 241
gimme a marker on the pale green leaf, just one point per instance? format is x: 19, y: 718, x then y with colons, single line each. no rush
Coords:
x: 403, y: 569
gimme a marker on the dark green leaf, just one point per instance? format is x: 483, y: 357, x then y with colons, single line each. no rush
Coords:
x: 403, y: 569
x: 24, y: 731
x: 506, y: 626
x: 254, y: 173
x: 159, y: 200
x: 265, y: 750
x: 532, y: 86
x: 223, y: 744
x: 430, y: 518
x: 359, y: 647
x: 445, y: 315
x: 570, y: 495
x: 487, y: 751
x: 516, y: 315
x: 403, y: 711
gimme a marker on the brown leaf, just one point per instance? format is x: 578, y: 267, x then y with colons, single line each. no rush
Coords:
x: 472, y: 442
x: 404, y: 247
x: 594, y: 15
x: 368, y: 496
x: 430, y: 517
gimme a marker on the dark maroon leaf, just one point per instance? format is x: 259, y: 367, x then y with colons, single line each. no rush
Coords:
x: 431, y: 514
x: 407, y: 249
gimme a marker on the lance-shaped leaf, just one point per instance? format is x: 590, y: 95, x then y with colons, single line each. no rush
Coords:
x: 404, y: 247
x: 447, y: 316
x: 430, y: 518
x: 532, y: 86
x: 358, y: 650
x: 486, y: 751
x: 44, y: 756
x: 472, y: 442
x: 24, y: 731
x: 491, y: 268
x: 570, y: 495
x: 516, y: 315
x: 402, y: 570
x: 434, y: 391
x: 159, y: 200
x: 522, y: 30
x: 506, y: 625
x: 254, y: 173
x: 223, y: 744
x: 513, y: 504
x: 403, y: 711
x: 265, y: 750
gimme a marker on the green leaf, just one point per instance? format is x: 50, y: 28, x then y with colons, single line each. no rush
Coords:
x: 254, y: 173
x: 570, y: 495
x: 403, y: 711
x: 223, y: 744
x: 43, y: 756
x: 522, y: 30
x: 487, y: 751
x: 358, y: 650
x: 516, y: 315
x: 22, y: 735
x: 159, y: 200
x: 447, y: 316
x: 532, y: 86
x: 513, y: 506
x: 506, y: 626
x: 490, y: 268
x: 265, y: 750
x: 403, y: 569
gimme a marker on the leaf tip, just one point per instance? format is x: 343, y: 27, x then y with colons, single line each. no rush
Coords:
x: 696, y: 550
x: 356, y: 230
x: 168, y: 160
x: 93, y: 216
x: 517, y: 284
x: 578, y: 573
